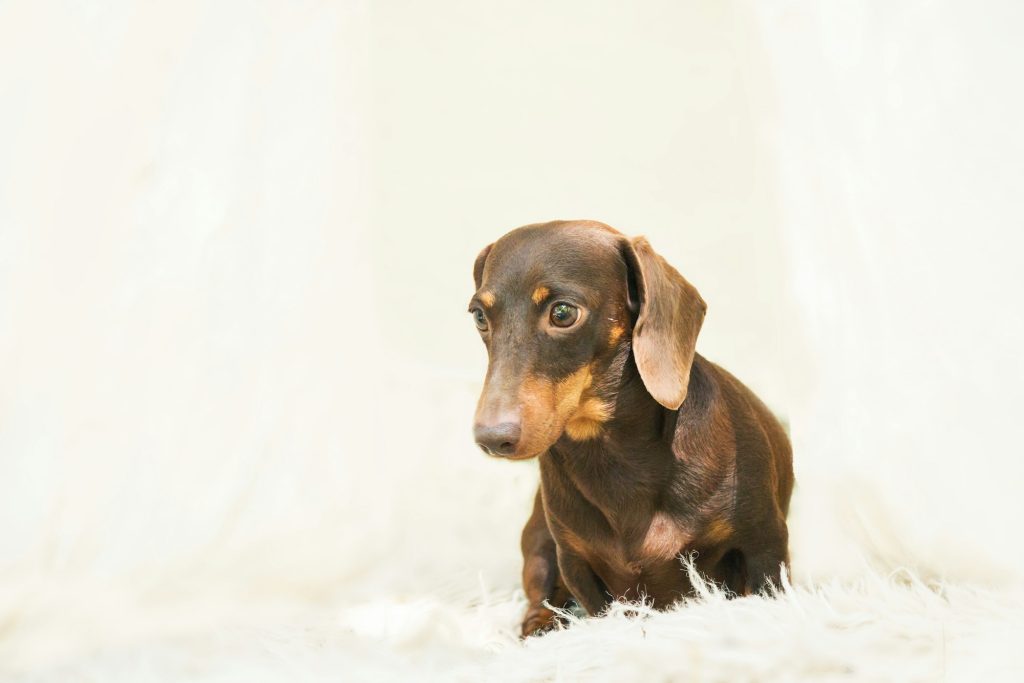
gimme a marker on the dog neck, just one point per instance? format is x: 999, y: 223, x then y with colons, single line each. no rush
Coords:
x: 625, y: 471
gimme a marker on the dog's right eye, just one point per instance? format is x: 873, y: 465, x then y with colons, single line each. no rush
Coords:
x: 564, y: 315
x: 479, y: 318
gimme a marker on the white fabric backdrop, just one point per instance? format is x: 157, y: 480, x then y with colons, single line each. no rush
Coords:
x: 235, y: 252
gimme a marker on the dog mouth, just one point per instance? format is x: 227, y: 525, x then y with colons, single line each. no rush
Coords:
x: 509, y: 456
x: 541, y: 411
x: 518, y: 439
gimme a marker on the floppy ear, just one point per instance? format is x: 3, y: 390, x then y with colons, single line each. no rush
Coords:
x: 478, y: 267
x: 671, y: 312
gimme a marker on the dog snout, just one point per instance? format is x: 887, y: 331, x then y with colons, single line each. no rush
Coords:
x: 498, y: 438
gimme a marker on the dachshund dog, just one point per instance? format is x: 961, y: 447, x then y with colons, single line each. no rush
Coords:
x: 647, y: 450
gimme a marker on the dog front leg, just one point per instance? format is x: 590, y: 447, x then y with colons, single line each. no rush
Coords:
x: 582, y: 582
x: 541, y: 580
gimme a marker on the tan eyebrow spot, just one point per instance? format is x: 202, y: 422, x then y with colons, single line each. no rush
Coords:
x: 615, y: 333
x: 540, y: 294
x: 487, y: 299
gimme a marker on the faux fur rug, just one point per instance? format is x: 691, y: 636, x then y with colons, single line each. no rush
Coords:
x: 879, y: 628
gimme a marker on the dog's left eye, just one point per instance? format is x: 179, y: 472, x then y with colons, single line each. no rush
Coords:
x: 564, y: 315
x: 479, y: 318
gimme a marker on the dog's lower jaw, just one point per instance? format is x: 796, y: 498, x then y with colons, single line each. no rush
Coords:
x: 525, y: 456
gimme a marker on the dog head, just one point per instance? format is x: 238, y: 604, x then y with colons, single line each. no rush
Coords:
x: 562, y: 308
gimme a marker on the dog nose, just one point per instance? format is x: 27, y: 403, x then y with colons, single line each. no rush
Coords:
x: 498, y: 439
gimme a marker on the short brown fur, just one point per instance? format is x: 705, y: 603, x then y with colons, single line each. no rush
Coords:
x: 647, y: 450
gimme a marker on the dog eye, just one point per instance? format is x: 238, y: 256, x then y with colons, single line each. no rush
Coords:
x: 479, y: 318
x: 564, y: 315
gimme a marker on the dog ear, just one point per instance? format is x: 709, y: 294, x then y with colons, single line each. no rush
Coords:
x: 478, y: 267
x: 669, y: 312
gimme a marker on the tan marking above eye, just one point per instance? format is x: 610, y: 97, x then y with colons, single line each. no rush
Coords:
x: 540, y: 294
x: 487, y: 298
x: 615, y: 334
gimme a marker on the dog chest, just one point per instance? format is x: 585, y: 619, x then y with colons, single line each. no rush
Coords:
x: 664, y: 539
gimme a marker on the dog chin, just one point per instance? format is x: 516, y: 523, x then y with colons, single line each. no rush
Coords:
x: 520, y: 456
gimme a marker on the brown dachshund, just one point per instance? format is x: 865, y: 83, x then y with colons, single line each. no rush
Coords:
x: 647, y: 450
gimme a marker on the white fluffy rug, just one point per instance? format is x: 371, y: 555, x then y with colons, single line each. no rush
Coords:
x: 403, y: 566
x: 892, y: 628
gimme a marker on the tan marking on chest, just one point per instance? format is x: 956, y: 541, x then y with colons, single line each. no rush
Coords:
x: 540, y: 294
x: 717, y: 531
x: 487, y: 298
x: 664, y: 539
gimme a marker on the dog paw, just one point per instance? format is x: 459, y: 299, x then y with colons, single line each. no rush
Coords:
x: 538, y: 621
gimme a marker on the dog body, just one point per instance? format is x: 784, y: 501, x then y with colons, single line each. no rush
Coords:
x: 647, y: 450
